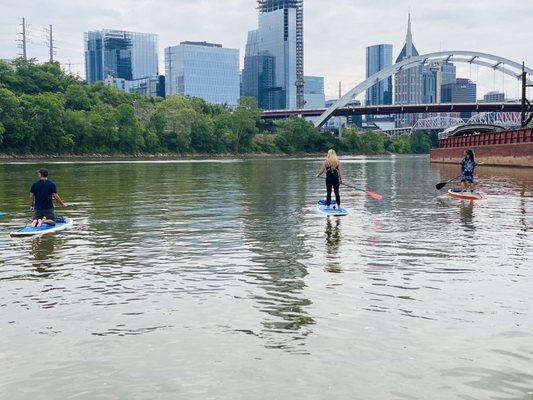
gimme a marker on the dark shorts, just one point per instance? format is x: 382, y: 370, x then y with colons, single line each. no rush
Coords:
x: 468, y: 178
x: 48, y: 214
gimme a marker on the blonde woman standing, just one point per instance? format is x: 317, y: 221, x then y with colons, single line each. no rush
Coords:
x: 332, y: 167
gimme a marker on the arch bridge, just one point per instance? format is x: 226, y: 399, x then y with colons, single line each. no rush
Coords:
x: 496, y: 63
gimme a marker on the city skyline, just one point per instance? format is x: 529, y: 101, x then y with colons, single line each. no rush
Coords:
x: 335, y: 37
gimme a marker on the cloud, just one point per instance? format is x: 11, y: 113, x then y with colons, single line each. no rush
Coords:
x: 336, y: 32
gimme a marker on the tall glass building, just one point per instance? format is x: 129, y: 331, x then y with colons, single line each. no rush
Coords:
x: 205, y: 70
x: 120, y: 54
x: 293, y: 25
x: 279, y: 36
x: 379, y: 57
x: 314, y: 92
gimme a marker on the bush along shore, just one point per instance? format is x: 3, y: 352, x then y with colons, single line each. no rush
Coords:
x: 44, y: 111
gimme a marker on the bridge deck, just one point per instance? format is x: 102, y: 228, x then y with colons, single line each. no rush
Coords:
x: 401, y: 109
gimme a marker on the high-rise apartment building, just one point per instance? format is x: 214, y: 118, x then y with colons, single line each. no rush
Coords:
x: 379, y: 57
x: 120, y: 54
x: 205, y: 70
x: 280, y: 36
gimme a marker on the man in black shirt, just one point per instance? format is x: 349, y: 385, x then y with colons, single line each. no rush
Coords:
x: 42, y: 194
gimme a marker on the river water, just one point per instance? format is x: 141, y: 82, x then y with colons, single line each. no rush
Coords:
x: 219, y: 280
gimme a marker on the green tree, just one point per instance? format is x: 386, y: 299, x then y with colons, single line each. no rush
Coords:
x: 372, y: 143
x: 244, y: 123
x: 420, y: 143
x: 76, y: 98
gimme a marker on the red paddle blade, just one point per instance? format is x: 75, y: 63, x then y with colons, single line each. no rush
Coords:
x: 375, y: 196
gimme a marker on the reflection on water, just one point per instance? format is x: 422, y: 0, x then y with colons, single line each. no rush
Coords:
x: 220, y: 280
x: 333, y: 239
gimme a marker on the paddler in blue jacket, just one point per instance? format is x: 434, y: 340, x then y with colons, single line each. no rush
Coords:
x: 468, y: 165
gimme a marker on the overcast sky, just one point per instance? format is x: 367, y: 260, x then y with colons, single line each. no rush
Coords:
x: 336, y: 31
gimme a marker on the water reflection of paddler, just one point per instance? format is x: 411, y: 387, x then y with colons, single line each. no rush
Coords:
x: 43, y: 192
x: 333, y: 240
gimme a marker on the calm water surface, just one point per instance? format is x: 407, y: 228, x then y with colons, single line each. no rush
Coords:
x: 219, y: 280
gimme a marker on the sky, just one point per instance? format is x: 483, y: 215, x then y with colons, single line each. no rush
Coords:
x: 336, y: 32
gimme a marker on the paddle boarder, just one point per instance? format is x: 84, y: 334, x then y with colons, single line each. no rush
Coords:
x: 43, y: 192
x: 332, y: 167
x: 468, y: 165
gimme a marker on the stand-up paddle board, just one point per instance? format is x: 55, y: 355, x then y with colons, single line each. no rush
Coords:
x: 44, y: 229
x: 467, y: 195
x: 332, y: 209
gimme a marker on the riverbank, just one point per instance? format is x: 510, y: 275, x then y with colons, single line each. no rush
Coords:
x: 172, y: 156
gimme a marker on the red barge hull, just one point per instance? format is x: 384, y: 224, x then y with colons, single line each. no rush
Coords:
x: 507, y: 148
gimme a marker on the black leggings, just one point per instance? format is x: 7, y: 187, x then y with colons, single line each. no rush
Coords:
x: 332, y: 182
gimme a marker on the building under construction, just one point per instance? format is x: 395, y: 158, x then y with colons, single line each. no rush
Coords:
x: 265, y: 6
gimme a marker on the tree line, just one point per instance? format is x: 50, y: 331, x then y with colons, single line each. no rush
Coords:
x: 46, y: 111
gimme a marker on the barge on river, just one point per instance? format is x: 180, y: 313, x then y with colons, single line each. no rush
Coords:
x: 509, y: 148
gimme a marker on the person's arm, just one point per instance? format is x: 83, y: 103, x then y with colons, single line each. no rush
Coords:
x: 32, y: 202
x: 322, y: 169
x: 58, y: 199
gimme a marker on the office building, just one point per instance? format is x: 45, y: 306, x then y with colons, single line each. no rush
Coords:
x: 314, y: 92
x: 420, y: 84
x: 494, y: 97
x: 205, y: 70
x: 462, y: 91
x: 379, y: 57
x: 150, y: 87
x: 259, y: 76
x: 279, y: 36
x: 120, y: 54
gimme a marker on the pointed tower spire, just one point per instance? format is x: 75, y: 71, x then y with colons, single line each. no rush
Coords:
x: 409, y: 39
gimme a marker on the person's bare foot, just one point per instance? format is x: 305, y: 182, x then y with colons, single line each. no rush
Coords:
x: 34, y: 223
x: 39, y: 223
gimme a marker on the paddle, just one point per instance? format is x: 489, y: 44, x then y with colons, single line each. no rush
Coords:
x: 439, y: 186
x: 375, y: 196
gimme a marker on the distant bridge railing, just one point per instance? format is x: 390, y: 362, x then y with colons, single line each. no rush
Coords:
x: 400, y: 109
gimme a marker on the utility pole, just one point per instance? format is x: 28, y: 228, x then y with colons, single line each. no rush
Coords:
x: 525, y: 102
x: 340, y: 90
x: 23, y: 41
x: 50, y: 42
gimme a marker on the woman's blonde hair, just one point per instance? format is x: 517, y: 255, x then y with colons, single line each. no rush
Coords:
x: 332, y: 159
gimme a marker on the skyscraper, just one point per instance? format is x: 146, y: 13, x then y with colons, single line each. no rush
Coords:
x: 205, y: 70
x: 120, y: 54
x: 259, y: 76
x: 267, y: 6
x: 415, y: 85
x: 379, y: 57
x: 280, y: 36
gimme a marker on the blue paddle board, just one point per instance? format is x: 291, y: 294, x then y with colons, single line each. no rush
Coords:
x: 3, y: 214
x: 332, y: 209
x: 43, y: 230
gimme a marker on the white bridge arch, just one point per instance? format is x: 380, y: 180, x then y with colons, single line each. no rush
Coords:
x: 496, y: 63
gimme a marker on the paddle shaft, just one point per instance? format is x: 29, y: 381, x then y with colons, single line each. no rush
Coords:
x: 442, y: 184
x: 375, y: 196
